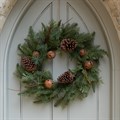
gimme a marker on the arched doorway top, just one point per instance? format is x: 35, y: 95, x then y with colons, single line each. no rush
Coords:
x: 112, y: 7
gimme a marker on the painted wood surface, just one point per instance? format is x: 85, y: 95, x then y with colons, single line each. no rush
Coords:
x: 97, y: 106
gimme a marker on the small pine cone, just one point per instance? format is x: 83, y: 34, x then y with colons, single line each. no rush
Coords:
x: 68, y: 44
x: 66, y: 77
x: 35, y: 54
x: 28, y: 64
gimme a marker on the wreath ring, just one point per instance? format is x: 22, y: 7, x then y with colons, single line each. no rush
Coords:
x: 41, y: 46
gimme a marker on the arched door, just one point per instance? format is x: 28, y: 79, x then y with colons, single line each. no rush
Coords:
x: 97, y: 106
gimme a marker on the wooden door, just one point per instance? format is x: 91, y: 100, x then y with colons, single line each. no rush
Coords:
x: 97, y: 106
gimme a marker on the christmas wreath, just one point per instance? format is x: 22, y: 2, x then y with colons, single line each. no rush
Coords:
x: 43, y: 45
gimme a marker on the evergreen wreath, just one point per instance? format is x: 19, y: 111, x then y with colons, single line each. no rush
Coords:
x: 43, y: 45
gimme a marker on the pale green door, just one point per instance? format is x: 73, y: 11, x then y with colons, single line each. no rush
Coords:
x: 97, y: 106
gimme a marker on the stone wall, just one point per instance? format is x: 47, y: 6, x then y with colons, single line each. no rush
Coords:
x: 5, y: 8
x: 113, y: 7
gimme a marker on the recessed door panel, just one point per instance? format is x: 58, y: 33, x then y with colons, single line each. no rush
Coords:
x: 96, y: 105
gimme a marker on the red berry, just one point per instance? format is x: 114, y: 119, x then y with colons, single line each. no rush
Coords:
x: 88, y: 65
x: 51, y: 54
x: 83, y: 52
x: 48, y: 83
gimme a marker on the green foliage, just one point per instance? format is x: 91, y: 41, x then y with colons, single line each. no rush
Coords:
x: 52, y: 34
x: 49, y: 38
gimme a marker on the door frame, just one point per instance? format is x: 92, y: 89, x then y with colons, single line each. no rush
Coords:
x: 113, y: 41
x: 107, y: 26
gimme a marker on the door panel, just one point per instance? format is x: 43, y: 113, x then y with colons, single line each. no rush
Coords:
x: 96, y: 105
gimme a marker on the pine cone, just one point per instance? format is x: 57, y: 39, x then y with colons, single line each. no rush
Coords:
x: 68, y: 44
x: 66, y: 77
x: 28, y: 64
